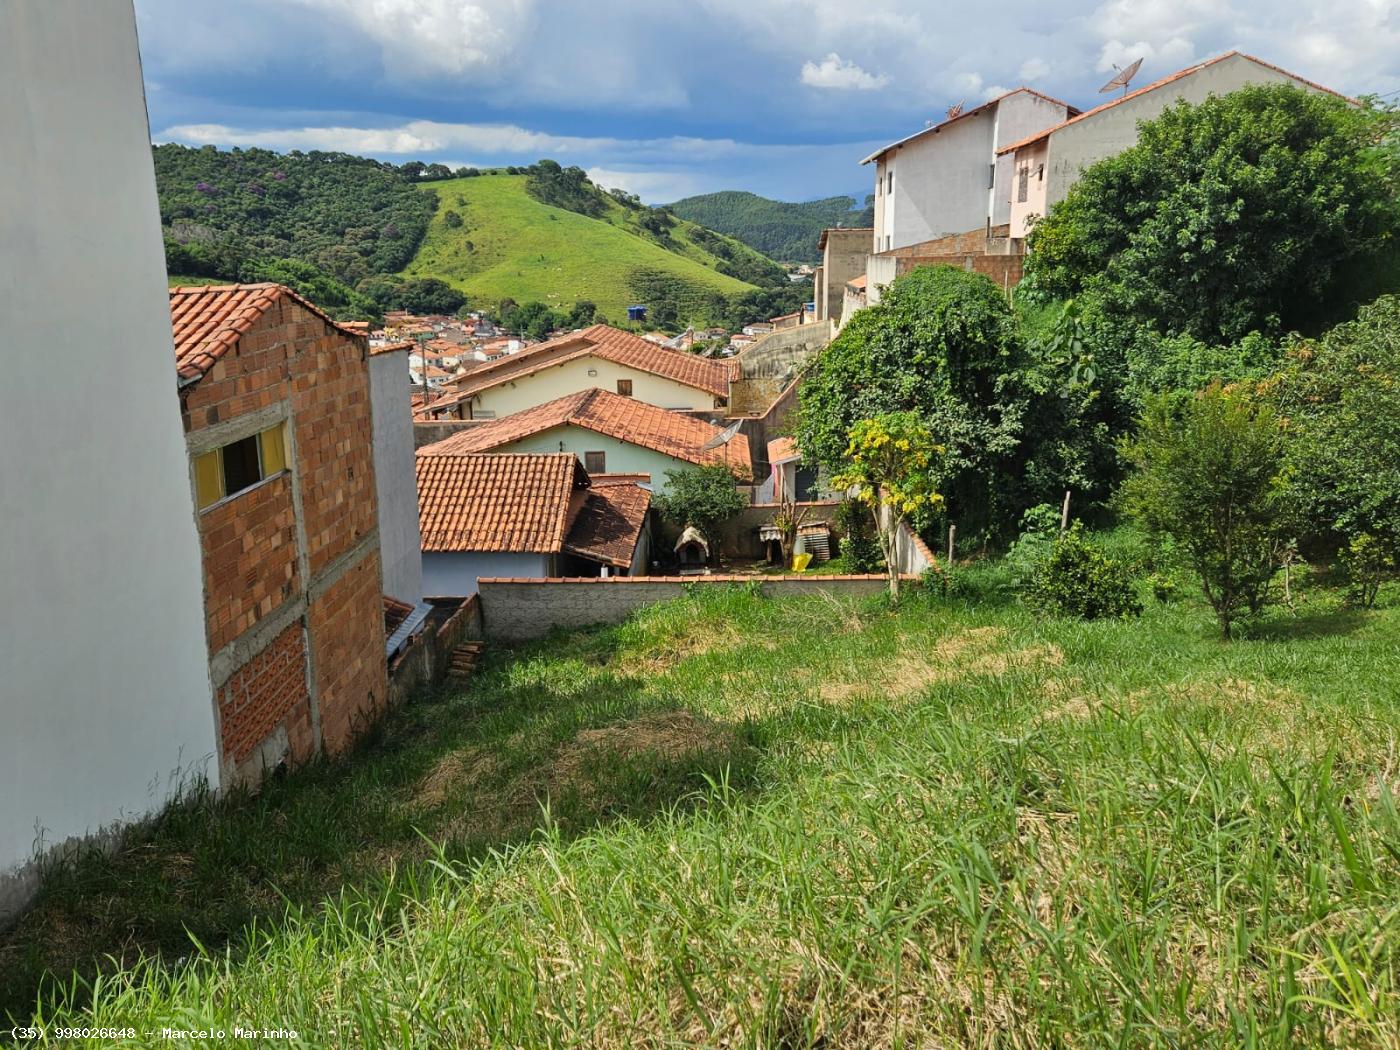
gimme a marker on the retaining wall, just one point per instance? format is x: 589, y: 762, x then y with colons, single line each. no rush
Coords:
x: 514, y: 610
x: 424, y: 661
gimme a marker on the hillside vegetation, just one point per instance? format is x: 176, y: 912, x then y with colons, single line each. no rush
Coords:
x: 780, y: 229
x: 493, y: 239
x: 744, y: 822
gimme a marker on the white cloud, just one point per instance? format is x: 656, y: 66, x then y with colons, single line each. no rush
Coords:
x: 1033, y: 69
x: 834, y: 72
x: 423, y: 38
x: 651, y: 186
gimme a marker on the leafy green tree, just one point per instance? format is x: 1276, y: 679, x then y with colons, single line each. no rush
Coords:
x: 1075, y: 578
x: 1341, y: 395
x: 1241, y: 213
x: 891, y: 466
x: 942, y: 344
x: 1210, y: 474
x: 704, y: 497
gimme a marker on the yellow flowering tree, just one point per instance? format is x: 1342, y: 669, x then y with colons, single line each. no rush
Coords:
x: 890, y: 466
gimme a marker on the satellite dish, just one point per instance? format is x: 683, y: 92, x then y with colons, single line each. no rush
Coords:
x: 1121, y: 79
x: 954, y: 111
x: 723, y: 437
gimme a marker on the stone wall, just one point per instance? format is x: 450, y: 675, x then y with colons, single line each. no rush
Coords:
x: 514, y: 610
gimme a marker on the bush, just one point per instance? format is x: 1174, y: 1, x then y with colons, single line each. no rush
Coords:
x: 1367, y: 561
x: 1039, y: 527
x: 859, y: 550
x: 1077, y: 579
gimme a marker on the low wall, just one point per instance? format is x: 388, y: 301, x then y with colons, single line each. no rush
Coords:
x: 515, y: 610
x: 438, y: 430
x: 781, y: 354
x: 424, y: 661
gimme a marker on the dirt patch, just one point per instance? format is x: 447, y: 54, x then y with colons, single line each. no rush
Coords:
x: 456, y: 773
x: 967, y: 654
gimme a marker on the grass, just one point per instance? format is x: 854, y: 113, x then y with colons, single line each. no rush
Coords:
x: 803, y: 822
x: 512, y: 245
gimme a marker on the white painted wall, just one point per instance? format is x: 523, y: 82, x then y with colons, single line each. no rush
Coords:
x: 105, y: 699
x: 395, y: 477
x: 622, y: 457
x: 1076, y: 146
x: 556, y: 381
x: 452, y: 575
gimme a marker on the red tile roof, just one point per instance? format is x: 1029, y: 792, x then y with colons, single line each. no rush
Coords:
x: 609, y: 525
x: 501, y: 502
x: 209, y: 319
x: 395, y: 613
x: 935, y: 128
x: 389, y: 348
x: 782, y: 449
x: 611, y: 344
x: 672, y: 433
x: 1178, y: 75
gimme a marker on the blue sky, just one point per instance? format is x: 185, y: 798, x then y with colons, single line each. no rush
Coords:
x: 671, y: 97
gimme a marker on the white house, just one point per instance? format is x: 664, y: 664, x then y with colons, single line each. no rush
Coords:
x: 599, y: 356
x: 610, y: 433
x: 948, y: 178
x: 106, y: 707
x: 1047, y: 162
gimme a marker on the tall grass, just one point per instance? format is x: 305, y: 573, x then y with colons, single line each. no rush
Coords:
x: 745, y: 822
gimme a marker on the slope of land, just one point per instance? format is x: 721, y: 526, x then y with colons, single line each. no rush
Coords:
x: 745, y: 822
x: 780, y: 229
x: 509, y: 244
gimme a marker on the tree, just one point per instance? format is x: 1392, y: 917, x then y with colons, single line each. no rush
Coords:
x: 1242, y: 212
x: 942, y: 344
x: 891, y: 463
x: 1210, y: 474
x: 701, y: 496
x: 1341, y: 396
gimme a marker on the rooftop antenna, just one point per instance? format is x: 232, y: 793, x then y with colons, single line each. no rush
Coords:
x: 956, y: 110
x: 1121, y: 78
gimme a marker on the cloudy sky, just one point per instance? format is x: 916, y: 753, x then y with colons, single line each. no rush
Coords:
x: 672, y: 97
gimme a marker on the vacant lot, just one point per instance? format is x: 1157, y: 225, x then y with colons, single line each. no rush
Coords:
x: 744, y: 822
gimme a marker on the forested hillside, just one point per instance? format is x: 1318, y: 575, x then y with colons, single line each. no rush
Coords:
x: 779, y: 229
x: 545, y: 234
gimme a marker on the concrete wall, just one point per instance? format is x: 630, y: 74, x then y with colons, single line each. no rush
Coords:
x: 450, y: 575
x: 105, y: 699
x: 843, y: 259
x: 427, y: 657
x: 1018, y: 115
x: 570, y: 377
x: 400, y: 548
x: 1077, y: 145
x: 1034, y: 161
x: 516, y: 610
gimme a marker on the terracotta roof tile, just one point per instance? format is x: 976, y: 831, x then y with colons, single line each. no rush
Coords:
x: 209, y: 319
x: 611, y: 344
x: 609, y: 524
x: 672, y: 433
x: 502, y: 502
x: 1179, y: 74
x: 782, y: 449
x: 395, y: 613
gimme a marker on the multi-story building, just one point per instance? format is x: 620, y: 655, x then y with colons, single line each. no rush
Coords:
x: 275, y: 399
x: 1049, y: 161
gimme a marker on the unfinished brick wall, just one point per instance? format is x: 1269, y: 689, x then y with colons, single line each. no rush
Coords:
x: 297, y: 556
x: 250, y: 559
x: 267, y: 692
x: 347, y: 636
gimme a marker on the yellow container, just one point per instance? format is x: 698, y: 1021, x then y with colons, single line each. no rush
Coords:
x: 800, y: 562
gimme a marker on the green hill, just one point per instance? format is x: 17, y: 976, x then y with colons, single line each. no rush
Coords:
x: 779, y: 229
x: 493, y: 238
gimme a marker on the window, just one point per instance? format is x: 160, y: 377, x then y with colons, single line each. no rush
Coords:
x: 595, y: 462
x: 890, y: 187
x: 624, y: 387
x: 1023, y: 184
x: 239, y: 465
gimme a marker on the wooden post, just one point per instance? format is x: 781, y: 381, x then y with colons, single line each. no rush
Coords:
x: 952, y: 536
x: 1064, y: 514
